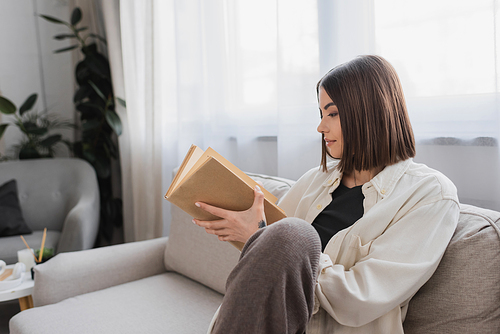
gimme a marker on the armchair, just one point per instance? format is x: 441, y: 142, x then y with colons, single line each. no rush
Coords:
x: 60, y: 194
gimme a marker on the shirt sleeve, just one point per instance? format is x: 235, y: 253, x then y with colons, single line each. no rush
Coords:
x: 395, y: 266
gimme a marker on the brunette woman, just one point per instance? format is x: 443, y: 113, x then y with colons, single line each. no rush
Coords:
x: 368, y: 227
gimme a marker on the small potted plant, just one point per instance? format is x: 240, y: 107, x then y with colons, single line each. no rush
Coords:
x: 39, y: 140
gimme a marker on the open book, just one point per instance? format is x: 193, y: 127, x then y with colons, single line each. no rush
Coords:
x: 206, y: 176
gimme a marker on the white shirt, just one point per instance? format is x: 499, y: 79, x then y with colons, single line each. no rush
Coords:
x: 369, y: 271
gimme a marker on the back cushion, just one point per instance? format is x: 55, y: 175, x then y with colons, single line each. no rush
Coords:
x: 202, y: 257
x: 49, y: 188
x: 463, y: 295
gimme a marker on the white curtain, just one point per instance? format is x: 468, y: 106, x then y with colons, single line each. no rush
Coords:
x: 240, y: 76
x: 446, y: 53
x: 131, y: 52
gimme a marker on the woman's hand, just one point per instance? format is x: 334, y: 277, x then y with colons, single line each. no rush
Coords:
x: 235, y: 225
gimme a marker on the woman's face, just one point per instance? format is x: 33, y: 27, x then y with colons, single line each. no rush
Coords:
x: 330, y: 125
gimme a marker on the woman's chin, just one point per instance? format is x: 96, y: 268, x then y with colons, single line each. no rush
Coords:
x: 335, y: 155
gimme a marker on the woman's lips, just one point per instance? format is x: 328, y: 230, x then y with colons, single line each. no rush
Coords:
x: 329, y: 142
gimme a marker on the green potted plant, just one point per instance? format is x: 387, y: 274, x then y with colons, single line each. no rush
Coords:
x: 39, y: 140
x: 100, y: 124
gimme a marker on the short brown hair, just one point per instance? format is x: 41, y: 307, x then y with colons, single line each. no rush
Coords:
x: 375, y: 125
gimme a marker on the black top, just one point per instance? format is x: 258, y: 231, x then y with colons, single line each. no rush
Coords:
x: 344, y: 210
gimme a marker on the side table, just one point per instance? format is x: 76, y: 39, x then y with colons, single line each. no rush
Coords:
x: 22, y: 292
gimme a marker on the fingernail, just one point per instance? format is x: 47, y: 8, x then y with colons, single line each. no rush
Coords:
x: 193, y: 221
x: 257, y: 187
x: 197, y: 204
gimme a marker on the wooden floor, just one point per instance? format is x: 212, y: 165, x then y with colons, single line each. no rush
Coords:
x: 7, y: 311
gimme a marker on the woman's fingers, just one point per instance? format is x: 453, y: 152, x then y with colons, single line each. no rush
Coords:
x: 234, y: 225
x: 220, y: 228
x: 212, y: 225
x: 258, y: 202
x: 213, y: 209
x: 258, y: 196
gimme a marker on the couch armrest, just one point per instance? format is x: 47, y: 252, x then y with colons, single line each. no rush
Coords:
x: 80, y: 227
x: 72, y: 274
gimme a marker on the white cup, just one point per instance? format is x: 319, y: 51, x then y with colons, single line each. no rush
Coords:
x: 26, y: 256
x: 2, y: 266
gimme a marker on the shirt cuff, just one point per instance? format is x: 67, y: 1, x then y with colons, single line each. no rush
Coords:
x: 324, y: 263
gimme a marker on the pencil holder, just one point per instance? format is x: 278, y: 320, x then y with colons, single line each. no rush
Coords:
x: 48, y: 253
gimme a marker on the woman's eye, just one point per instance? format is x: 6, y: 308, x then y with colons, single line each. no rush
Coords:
x: 333, y: 114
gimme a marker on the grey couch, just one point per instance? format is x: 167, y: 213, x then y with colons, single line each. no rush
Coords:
x: 59, y: 194
x: 175, y: 284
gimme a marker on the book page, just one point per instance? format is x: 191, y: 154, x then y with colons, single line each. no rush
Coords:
x: 196, y: 157
x: 189, y: 161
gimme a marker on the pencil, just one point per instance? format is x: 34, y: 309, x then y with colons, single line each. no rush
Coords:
x: 43, y: 244
x: 36, y: 260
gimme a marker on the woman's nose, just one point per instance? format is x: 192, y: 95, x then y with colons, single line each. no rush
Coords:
x: 322, y: 128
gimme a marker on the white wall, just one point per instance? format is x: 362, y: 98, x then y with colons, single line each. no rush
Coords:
x: 27, y: 62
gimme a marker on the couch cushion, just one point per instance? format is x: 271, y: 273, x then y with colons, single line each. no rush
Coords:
x: 463, y: 295
x: 49, y: 188
x: 166, y: 303
x: 12, y: 221
x: 201, y: 256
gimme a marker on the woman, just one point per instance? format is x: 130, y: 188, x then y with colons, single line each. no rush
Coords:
x: 370, y: 226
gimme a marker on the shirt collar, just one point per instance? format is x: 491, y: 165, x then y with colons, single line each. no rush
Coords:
x: 384, y: 182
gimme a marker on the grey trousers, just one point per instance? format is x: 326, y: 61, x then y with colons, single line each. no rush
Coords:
x: 271, y: 289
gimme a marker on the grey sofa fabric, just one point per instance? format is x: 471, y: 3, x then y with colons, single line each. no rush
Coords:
x: 193, y: 253
x: 463, y: 295
x: 59, y: 194
x: 76, y: 273
x: 165, y: 303
x: 175, y: 284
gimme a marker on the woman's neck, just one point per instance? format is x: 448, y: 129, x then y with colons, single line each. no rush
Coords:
x: 358, y: 178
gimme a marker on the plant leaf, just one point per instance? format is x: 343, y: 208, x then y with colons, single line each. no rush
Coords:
x: 82, y: 73
x: 64, y: 36
x: 114, y: 121
x: 90, y: 49
x: 110, y: 147
x: 6, y: 106
x: 82, y: 29
x: 87, y: 154
x: 3, y: 127
x: 29, y: 153
x: 76, y: 16
x: 102, y: 167
x: 52, y: 19
x: 69, y: 144
x: 66, y: 49
x: 51, y: 140
x: 97, y: 64
x: 90, y: 124
x: 28, y: 104
x: 82, y: 92
x: 122, y: 102
x: 89, y: 110
x: 33, y: 129
x: 102, y: 39
x: 97, y: 90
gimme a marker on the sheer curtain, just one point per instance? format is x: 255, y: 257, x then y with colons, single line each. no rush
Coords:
x: 240, y: 76
x: 446, y: 53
